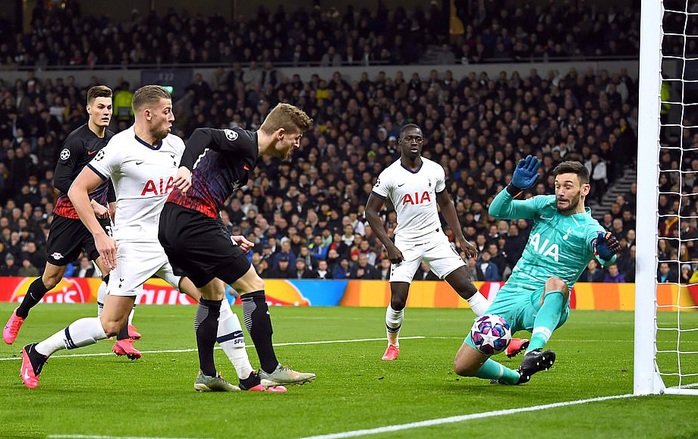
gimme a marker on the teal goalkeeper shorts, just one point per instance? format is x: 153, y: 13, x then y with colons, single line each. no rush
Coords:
x: 519, y: 306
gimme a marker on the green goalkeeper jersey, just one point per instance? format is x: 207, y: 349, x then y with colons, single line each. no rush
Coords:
x: 559, y: 245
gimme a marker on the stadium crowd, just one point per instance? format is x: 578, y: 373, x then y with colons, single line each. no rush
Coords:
x: 494, y: 31
x: 306, y: 216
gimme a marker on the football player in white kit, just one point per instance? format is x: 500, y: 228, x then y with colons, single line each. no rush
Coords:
x: 142, y: 162
x: 415, y: 185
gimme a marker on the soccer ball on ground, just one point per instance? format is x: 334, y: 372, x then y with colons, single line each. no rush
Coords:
x: 491, y: 334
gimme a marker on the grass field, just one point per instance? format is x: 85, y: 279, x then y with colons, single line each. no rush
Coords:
x: 90, y: 393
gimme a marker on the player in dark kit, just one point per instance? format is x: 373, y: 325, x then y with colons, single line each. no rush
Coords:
x: 68, y: 237
x: 196, y: 242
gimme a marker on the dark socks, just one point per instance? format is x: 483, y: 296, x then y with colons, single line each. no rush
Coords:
x: 123, y: 334
x: 35, y: 293
x: 258, y: 323
x: 206, y: 327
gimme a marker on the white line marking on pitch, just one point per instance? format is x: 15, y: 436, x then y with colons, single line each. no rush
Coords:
x: 90, y: 436
x: 453, y: 419
x: 177, y: 351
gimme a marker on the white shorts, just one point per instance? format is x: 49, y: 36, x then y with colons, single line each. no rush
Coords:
x: 437, y: 252
x: 136, y: 262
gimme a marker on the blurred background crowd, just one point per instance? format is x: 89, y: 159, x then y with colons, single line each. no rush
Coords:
x: 306, y: 216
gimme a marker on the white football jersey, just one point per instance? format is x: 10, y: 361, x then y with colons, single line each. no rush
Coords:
x: 143, y: 176
x: 414, y: 196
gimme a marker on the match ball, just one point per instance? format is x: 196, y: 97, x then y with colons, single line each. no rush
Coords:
x: 491, y: 334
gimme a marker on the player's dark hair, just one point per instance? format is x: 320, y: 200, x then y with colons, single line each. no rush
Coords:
x: 573, y: 167
x: 408, y: 126
x: 288, y: 117
x: 149, y: 94
x: 98, y: 91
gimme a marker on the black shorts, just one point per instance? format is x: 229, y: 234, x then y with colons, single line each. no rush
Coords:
x: 68, y: 237
x: 199, y: 246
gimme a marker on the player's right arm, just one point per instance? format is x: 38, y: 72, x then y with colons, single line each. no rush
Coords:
x: 504, y: 206
x: 79, y: 194
x: 376, y: 201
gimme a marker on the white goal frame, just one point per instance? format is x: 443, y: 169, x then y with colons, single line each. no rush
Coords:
x: 647, y: 379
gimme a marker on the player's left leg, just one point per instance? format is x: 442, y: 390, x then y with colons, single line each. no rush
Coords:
x: 258, y: 322
x: 553, y: 313
x: 550, y: 315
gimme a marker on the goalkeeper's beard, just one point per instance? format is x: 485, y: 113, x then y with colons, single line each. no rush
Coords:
x: 572, y: 204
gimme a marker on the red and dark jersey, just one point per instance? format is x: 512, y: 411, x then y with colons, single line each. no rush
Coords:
x: 220, y: 161
x: 78, y: 150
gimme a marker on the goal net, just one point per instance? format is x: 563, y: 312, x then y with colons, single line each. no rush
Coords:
x: 666, y: 298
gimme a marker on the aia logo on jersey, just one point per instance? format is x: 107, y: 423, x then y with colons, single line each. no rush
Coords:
x: 416, y: 198
x: 159, y: 187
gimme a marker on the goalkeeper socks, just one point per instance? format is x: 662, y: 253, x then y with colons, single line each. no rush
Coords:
x: 491, y: 370
x: 258, y: 323
x: 478, y: 303
x: 35, y: 293
x: 393, y: 323
x: 547, y: 319
x: 80, y: 333
x: 206, y: 326
x: 232, y: 341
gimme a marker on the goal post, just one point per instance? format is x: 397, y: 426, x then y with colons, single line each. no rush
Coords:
x: 646, y: 379
x: 649, y: 376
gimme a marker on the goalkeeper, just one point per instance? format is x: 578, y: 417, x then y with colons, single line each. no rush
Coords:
x: 563, y: 240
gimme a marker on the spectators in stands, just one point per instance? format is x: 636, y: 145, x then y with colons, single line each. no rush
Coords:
x: 477, y: 127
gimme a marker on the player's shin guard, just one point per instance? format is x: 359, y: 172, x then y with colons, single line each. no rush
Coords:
x: 258, y: 323
x: 478, y: 303
x: 547, y: 319
x: 80, y: 333
x: 491, y: 370
x: 35, y: 293
x: 393, y: 323
x: 206, y: 326
x: 232, y: 341
x: 102, y: 294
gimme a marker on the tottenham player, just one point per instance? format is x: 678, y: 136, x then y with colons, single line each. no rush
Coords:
x: 141, y: 162
x: 219, y: 162
x: 564, y: 238
x: 68, y: 236
x: 415, y: 185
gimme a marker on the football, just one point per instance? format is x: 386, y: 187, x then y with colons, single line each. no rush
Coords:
x: 491, y: 334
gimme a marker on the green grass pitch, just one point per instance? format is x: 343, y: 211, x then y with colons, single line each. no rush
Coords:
x: 90, y: 393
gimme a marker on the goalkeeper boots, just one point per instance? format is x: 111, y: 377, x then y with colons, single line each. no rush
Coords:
x: 283, y: 375
x: 516, y: 345
x: 535, y: 361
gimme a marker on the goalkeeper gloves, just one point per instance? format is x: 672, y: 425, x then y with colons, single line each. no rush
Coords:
x: 526, y: 172
x: 606, y: 245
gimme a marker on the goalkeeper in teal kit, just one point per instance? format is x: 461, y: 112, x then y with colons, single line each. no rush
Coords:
x: 563, y: 240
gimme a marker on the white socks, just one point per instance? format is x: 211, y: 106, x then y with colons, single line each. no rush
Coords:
x: 231, y: 339
x: 478, y: 303
x: 393, y: 322
x: 80, y: 333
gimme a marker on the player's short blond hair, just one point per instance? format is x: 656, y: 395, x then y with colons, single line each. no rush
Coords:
x: 288, y: 117
x: 149, y: 94
x: 98, y: 91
